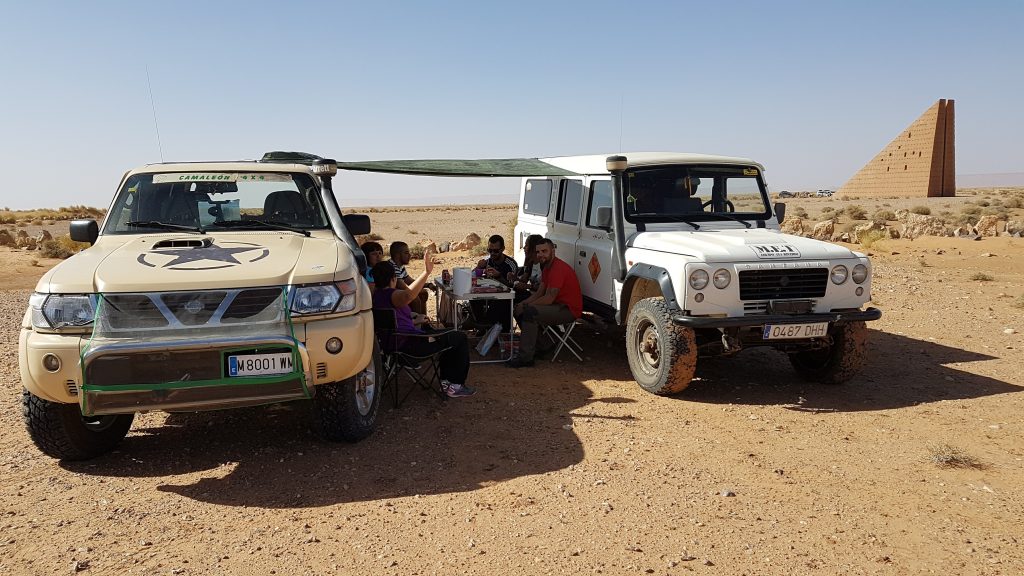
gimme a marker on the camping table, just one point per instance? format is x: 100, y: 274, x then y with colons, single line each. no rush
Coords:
x: 445, y: 293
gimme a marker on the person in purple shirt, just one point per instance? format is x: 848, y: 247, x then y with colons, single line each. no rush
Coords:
x: 454, y: 361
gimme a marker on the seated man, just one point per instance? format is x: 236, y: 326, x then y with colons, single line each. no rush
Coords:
x: 558, y: 300
x: 501, y: 267
x: 400, y: 257
x: 454, y: 362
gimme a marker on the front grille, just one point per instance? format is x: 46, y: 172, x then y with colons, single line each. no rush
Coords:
x: 191, y: 309
x: 775, y: 284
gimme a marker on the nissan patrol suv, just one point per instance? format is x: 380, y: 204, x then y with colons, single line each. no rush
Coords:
x: 211, y: 285
x: 686, y: 251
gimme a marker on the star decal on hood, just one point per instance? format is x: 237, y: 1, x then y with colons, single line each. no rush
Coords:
x: 181, y: 258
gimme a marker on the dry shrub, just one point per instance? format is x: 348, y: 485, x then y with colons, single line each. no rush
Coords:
x: 1019, y: 302
x: 799, y: 212
x: 478, y: 250
x: 983, y: 203
x: 966, y: 220
x: 946, y: 456
x: 884, y: 216
x: 62, y: 247
x: 416, y: 251
x: 855, y: 212
x: 868, y: 238
x: 971, y: 209
x: 981, y: 277
x: 922, y: 210
x: 828, y: 209
x: 373, y: 236
x: 1014, y: 202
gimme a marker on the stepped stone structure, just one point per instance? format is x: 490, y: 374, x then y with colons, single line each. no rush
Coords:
x: 919, y: 162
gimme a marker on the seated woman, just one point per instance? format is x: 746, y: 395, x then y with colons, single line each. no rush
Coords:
x: 374, y: 253
x: 528, y: 278
x: 455, y: 360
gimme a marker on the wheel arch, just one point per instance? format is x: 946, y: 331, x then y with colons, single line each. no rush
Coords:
x: 644, y: 281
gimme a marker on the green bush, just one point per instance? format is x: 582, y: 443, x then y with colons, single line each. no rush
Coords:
x: 922, y: 210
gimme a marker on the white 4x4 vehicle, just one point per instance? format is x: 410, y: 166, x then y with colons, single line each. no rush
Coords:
x: 686, y: 250
x: 211, y: 285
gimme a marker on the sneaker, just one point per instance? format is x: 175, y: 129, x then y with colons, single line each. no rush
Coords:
x: 519, y: 362
x: 457, y: 390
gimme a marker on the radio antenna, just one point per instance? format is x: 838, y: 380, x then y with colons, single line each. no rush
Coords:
x: 156, y: 124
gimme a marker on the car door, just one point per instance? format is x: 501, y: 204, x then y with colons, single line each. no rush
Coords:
x: 535, y: 213
x: 565, y: 229
x: 594, y: 251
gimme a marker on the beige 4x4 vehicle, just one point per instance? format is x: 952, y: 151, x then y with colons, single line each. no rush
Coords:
x: 211, y: 285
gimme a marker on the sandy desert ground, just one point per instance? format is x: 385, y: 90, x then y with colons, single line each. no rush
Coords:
x: 571, y: 468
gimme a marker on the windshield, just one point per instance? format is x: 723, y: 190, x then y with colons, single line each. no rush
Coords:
x: 150, y: 203
x: 695, y: 193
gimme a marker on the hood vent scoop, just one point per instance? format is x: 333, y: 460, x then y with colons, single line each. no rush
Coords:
x: 184, y: 243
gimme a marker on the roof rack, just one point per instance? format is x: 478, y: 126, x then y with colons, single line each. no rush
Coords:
x: 280, y: 157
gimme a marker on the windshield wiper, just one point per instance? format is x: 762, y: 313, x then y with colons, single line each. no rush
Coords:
x: 163, y: 226
x: 266, y: 224
x: 728, y: 217
x: 666, y: 217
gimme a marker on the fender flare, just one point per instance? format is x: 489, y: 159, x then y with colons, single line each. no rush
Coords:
x: 648, y: 272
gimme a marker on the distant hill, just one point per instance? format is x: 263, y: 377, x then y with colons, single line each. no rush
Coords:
x: 989, y: 180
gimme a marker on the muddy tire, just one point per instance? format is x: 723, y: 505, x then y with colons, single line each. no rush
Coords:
x: 840, y: 361
x: 59, y: 430
x: 662, y: 355
x: 347, y: 410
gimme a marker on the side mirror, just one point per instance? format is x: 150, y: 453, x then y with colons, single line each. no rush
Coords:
x: 357, y: 223
x: 85, y: 231
x: 604, y: 217
x: 780, y: 211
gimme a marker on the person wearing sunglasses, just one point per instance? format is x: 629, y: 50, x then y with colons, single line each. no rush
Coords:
x: 501, y: 267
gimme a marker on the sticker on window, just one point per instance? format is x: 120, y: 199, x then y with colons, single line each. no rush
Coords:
x: 220, y: 177
x: 750, y: 171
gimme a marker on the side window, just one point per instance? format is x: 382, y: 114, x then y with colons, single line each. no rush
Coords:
x: 569, y: 198
x: 600, y: 195
x: 537, y: 200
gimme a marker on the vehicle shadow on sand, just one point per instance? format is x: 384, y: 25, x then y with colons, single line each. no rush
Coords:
x: 515, y: 426
x: 900, y: 371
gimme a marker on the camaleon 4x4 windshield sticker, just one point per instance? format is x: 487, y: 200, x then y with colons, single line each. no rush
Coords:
x: 775, y: 251
x: 187, y: 258
x: 168, y: 177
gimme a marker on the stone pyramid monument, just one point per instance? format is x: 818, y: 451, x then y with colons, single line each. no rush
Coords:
x: 918, y: 162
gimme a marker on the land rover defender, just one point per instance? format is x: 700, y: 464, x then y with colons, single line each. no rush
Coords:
x: 686, y: 251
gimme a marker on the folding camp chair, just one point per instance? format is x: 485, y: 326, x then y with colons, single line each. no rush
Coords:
x: 424, y: 371
x: 562, y: 335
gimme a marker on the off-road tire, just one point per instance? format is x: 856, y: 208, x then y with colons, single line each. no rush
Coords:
x: 340, y: 413
x: 668, y: 365
x: 840, y: 361
x: 59, y: 430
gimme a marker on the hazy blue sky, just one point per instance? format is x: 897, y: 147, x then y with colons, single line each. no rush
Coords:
x: 811, y: 89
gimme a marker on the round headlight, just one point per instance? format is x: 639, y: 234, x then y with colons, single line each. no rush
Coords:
x: 721, y: 278
x: 860, y: 273
x: 699, y: 279
x: 839, y: 274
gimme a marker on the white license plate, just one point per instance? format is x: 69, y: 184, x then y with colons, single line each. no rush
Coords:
x: 795, y: 331
x: 260, y: 364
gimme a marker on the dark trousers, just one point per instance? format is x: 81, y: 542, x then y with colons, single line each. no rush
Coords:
x: 454, y: 361
x: 488, y: 312
x: 531, y: 320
